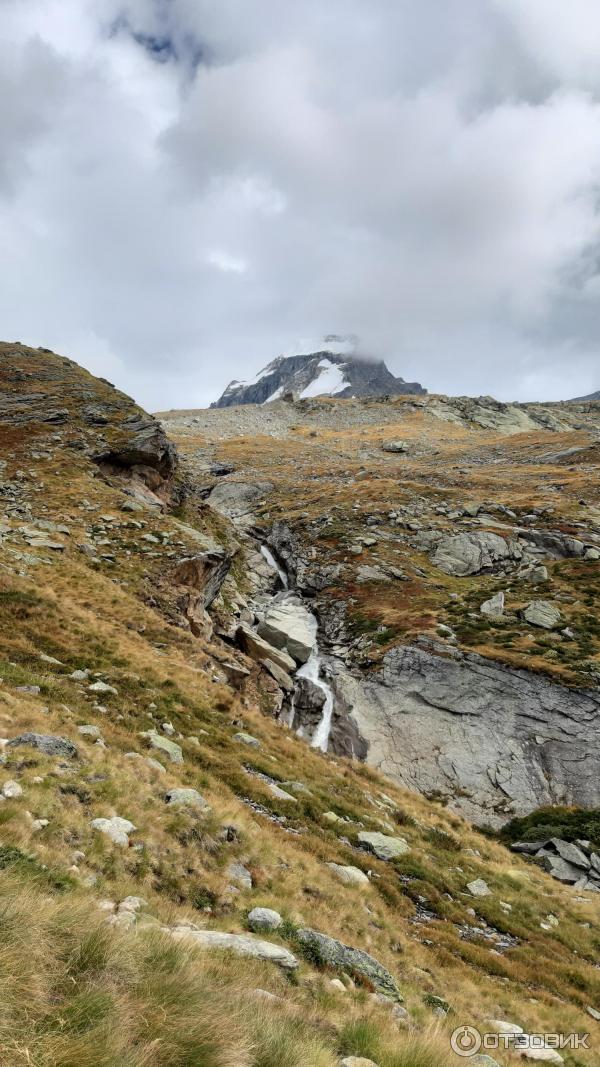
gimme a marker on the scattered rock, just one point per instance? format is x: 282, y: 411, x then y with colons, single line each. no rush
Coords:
x: 494, y: 607
x: 328, y: 952
x: 186, y: 798
x: 395, y: 446
x: 383, y: 846
x: 12, y: 790
x: 116, y: 828
x: 89, y: 730
x: 478, y: 888
x: 475, y: 553
x: 264, y: 919
x: 102, y: 687
x: 239, y: 944
x: 163, y: 744
x: 46, y: 743
x: 239, y: 875
x: 247, y: 739
x: 348, y: 875
x: 542, y: 613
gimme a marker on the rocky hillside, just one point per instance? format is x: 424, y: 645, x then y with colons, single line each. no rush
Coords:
x: 333, y: 370
x: 590, y: 396
x: 450, y: 549
x: 185, y: 879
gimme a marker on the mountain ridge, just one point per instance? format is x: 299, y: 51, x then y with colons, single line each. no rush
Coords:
x: 320, y: 373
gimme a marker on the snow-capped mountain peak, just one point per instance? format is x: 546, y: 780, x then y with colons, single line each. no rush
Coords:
x: 332, y: 368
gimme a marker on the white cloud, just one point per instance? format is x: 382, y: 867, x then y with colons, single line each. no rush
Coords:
x: 185, y: 187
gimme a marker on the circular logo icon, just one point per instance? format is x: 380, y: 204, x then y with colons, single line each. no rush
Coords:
x: 465, y: 1041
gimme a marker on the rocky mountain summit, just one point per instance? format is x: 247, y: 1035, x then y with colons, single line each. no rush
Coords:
x: 210, y: 655
x: 333, y: 370
x: 590, y: 396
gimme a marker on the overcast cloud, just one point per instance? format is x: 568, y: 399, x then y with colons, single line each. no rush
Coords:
x: 188, y: 186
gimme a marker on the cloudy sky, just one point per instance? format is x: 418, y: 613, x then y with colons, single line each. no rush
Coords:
x: 189, y: 186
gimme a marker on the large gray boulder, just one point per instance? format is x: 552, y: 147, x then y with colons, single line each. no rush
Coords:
x: 475, y: 553
x: 542, y: 613
x: 328, y: 952
x: 262, y: 651
x: 289, y: 625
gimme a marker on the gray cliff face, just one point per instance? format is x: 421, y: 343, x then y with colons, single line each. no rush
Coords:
x: 491, y: 740
x: 295, y: 374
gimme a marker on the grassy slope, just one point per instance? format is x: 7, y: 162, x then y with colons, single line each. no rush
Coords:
x: 78, y: 991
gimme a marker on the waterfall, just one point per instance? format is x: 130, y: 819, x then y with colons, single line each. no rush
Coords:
x: 270, y: 558
x: 311, y: 671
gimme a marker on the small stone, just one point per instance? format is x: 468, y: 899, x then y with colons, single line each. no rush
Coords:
x: 240, y: 875
x: 357, y: 1061
x: 116, y: 828
x: 331, y: 817
x: 594, y: 1013
x: 11, y: 790
x: 79, y: 676
x: 264, y: 919
x: 170, y: 748
x: 186, y: 798
x: 281, y: 794
x: 247, y: 739
x: 395, y: 446
x: 478, y: 888
x: 102, y: 687
x: 348, y: 875
x: 89, y: 730
x: 383, y: 846
x: 133, y: 904
x: 337, y: 985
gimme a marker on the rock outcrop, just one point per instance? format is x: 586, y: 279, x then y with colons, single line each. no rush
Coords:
x: 491, y: 740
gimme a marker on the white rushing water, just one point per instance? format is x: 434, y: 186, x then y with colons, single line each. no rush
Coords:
x: 311, y: 670
x: 270, y: 558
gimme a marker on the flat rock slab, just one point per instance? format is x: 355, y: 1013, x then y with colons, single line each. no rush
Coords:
x: 348, y: 875
x: 170, y: 748
x: 542, y: 613
x: 383, y: 846
x: 47, y: 743
x: 239, y: 944
x: 328, y: 952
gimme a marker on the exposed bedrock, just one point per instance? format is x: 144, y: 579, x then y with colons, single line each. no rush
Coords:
x: 491, y: 740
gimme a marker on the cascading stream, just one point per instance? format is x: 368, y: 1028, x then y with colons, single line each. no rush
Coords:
x: 311, y: 671
x: 270, y: 558
x: 312, y: 668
